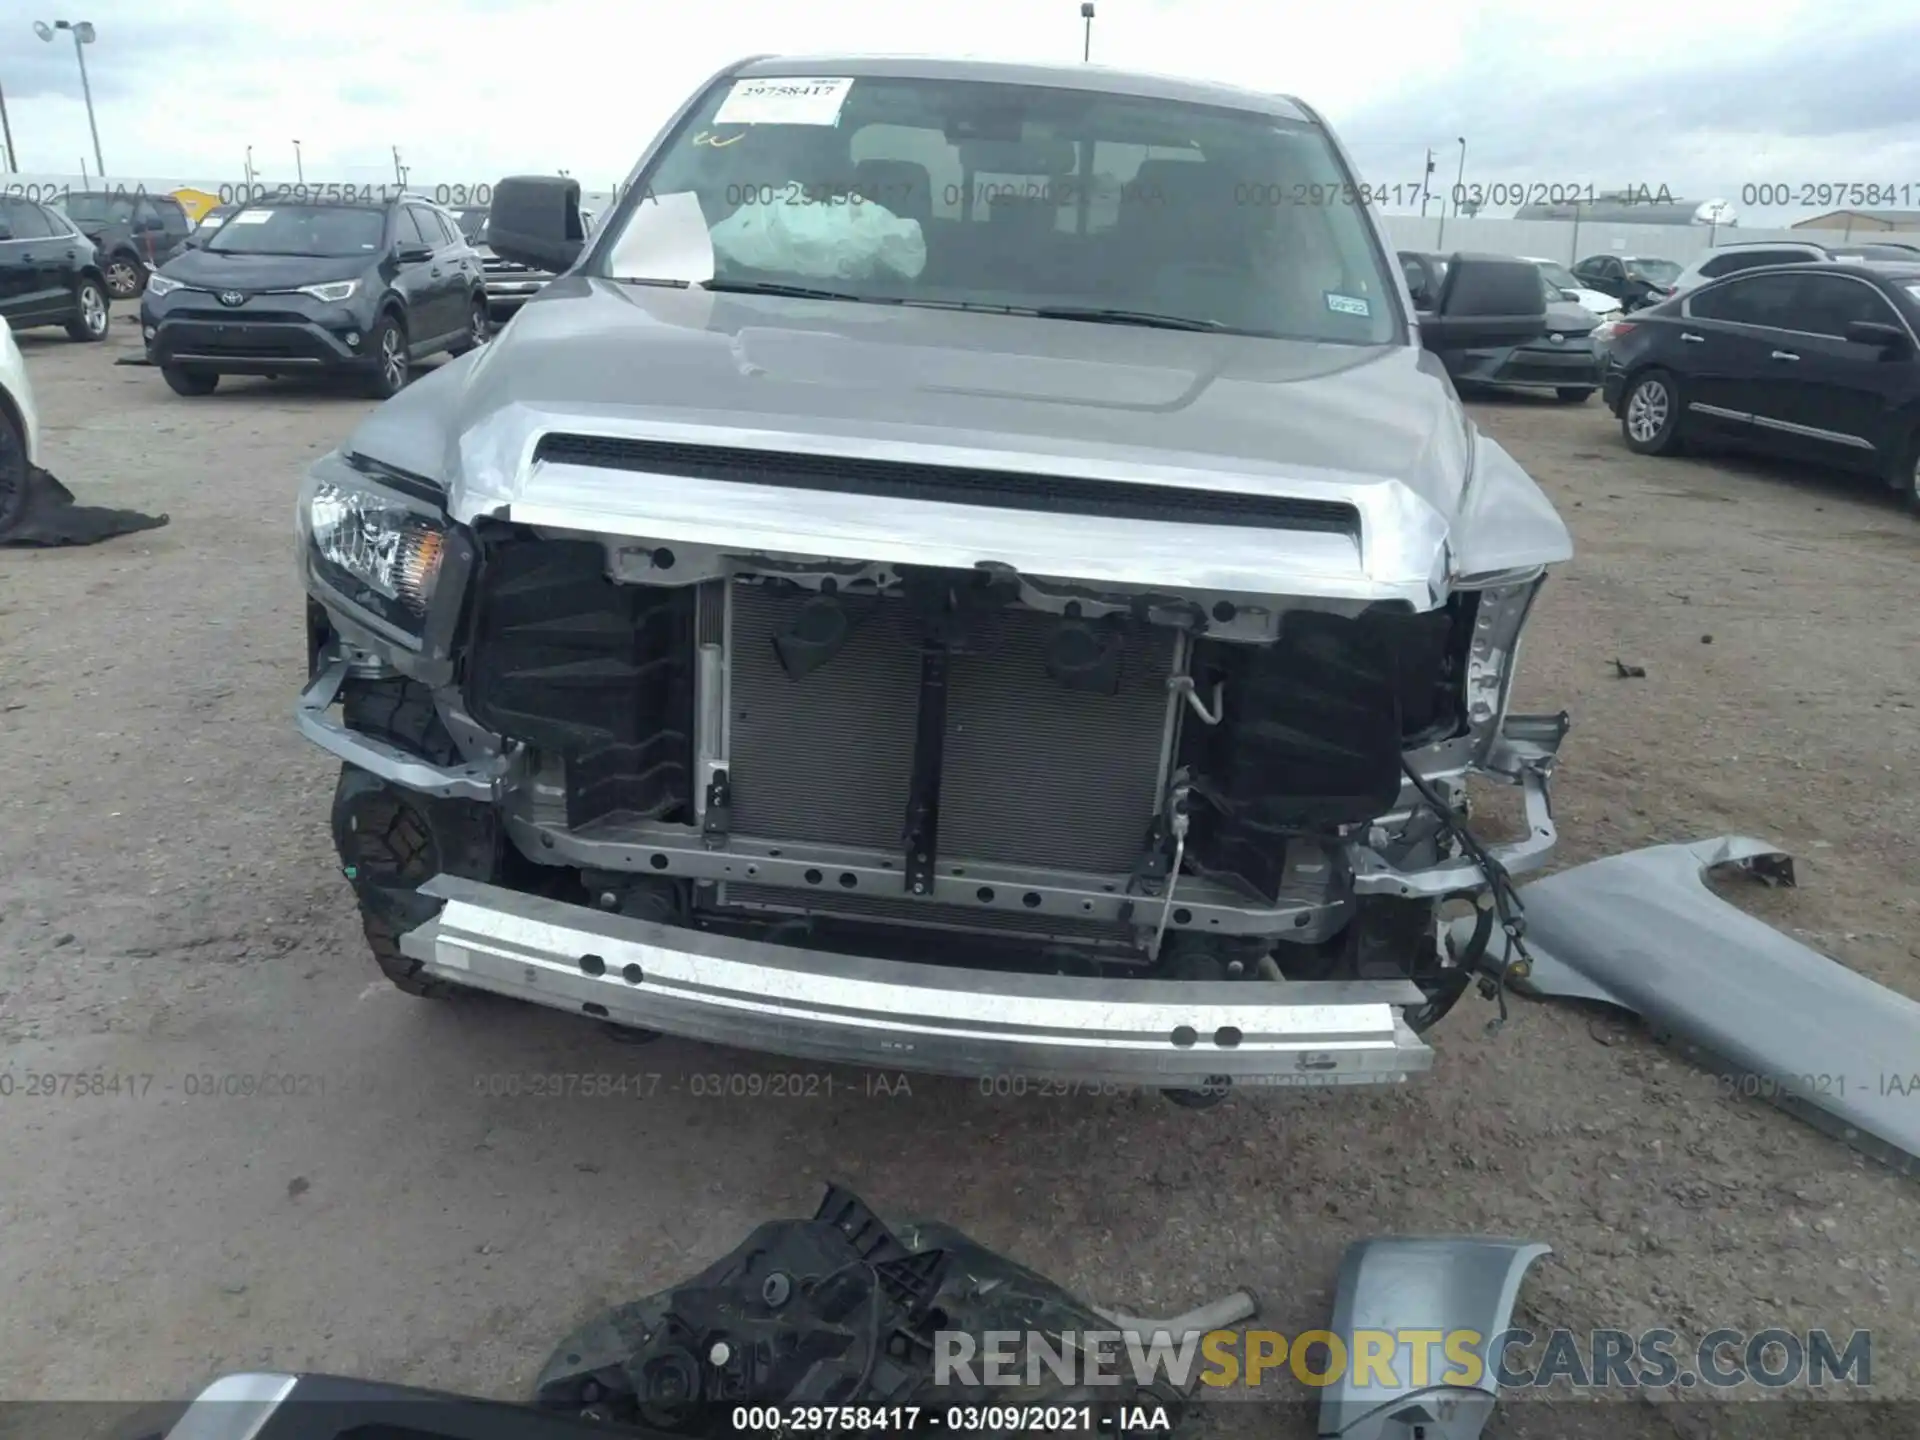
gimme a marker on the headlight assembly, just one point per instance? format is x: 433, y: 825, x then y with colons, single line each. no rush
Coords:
x: 379, y: 551
x: 158, y: 285
x: 333, y: 292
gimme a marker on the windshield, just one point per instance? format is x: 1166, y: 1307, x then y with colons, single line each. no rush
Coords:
x: 473, y: 225
x: 975, y: 194
x: 1558, y: 275
x: 332, y: 231
x: 99, y: 209
x: 1661, y: 272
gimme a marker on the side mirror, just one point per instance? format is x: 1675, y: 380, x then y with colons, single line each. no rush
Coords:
x: 1486, y: 301
x: 1569, y: 294
x: 535, y: 221
x: 1877, y: 333
x: 406, y: 254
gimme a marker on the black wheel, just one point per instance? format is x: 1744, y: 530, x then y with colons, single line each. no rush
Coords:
x: 190, y: 382
x: 479, y: 329
x: 90, y: 312
x: 13, y: 471
x: 126, y: 275
x: 1573, y: 394
x: 1650, y: 414
x: 391, y: 841
x: 391, y: 365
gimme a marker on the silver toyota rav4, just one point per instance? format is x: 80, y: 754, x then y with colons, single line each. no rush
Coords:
x: 972, y: 569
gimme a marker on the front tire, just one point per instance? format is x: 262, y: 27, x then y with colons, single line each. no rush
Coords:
x: 90, y: 312
x: 479, y: 329
x: 1573, y: 394
x: 392, y: 367
x: 391, y: 841
x: 1650, y: 414
x: 126, y: 275
x: 190, y: 382
x: 1908, y: 480
x: 13, y: 471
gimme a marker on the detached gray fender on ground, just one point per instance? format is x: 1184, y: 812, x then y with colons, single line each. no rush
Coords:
x: 1444, y: 1286
x: 1643, y: 932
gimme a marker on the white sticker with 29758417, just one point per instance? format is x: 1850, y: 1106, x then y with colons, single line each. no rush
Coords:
x: 253, y: 217
x: 784, y: 100
x: 1347, y: 304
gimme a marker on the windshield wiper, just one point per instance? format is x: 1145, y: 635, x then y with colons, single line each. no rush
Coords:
x: 793, y: 292
x: 1102, y: 316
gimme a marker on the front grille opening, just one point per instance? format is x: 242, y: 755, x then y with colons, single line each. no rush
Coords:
x: 953, y: 484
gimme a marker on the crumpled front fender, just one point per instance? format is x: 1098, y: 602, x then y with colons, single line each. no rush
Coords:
x: 1399, y: 1284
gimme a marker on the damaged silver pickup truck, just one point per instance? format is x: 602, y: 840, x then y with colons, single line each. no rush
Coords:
x: 972, y: 569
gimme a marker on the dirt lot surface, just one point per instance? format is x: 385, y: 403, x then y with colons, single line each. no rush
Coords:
x: 170, y: 908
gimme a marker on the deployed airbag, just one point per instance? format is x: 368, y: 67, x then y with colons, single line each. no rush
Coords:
x: 1643, y: 932
x: 856, y: 240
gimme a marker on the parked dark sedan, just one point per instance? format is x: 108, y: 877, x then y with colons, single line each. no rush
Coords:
x: 134, y: 233
x: 50, y: 273
x: 1633, y: 280
x: 1562, y: 360
x: 367, y: 289
x: 1815, y: 361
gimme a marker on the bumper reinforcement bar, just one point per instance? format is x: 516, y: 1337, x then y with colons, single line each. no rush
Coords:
x: 841, y: 1008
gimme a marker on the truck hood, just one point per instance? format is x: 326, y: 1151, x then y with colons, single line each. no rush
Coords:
x: 1379, y: 428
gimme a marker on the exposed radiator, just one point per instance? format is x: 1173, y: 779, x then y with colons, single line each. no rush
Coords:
x: 1034, y: 773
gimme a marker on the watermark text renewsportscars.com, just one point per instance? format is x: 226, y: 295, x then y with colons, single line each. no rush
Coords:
x: 1519, y: 1359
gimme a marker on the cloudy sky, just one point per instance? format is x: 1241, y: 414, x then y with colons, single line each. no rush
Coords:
x: 1701, y: 96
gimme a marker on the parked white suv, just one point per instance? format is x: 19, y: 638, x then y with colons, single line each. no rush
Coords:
x: 1752, y: 254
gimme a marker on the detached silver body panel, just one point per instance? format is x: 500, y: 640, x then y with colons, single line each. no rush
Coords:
x: 1643, y: 932
x: 1444, y: 1286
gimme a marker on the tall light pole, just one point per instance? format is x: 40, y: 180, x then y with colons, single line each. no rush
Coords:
x: 6, y: 132
x: 1458, y: 185
x: 1086, y: 14
x: 250, y: 195
x: 299, y: 170
x: 83, y: 35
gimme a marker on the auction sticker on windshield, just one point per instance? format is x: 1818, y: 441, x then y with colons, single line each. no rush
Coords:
x: 252, y: 217
x: 1348, y: 304
x: 784, y: 100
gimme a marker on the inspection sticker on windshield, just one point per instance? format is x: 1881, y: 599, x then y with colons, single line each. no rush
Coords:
x: 252, y: 217
x: 784, y: 100
x: 1347, y: 304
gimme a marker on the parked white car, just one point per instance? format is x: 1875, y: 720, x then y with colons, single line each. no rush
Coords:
x: 1752, y: 254
x: 19, y: 426
x: 1564, y: 280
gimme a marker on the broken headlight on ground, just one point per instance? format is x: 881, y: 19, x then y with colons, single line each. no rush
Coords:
x: 379, y: 551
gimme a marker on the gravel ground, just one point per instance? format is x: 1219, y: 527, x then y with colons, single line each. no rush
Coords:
x: 170, y: 908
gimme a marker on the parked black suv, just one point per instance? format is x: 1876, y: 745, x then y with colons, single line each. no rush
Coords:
x: 49, y: 273
x: 366, y: 288
x: 134, y: 233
